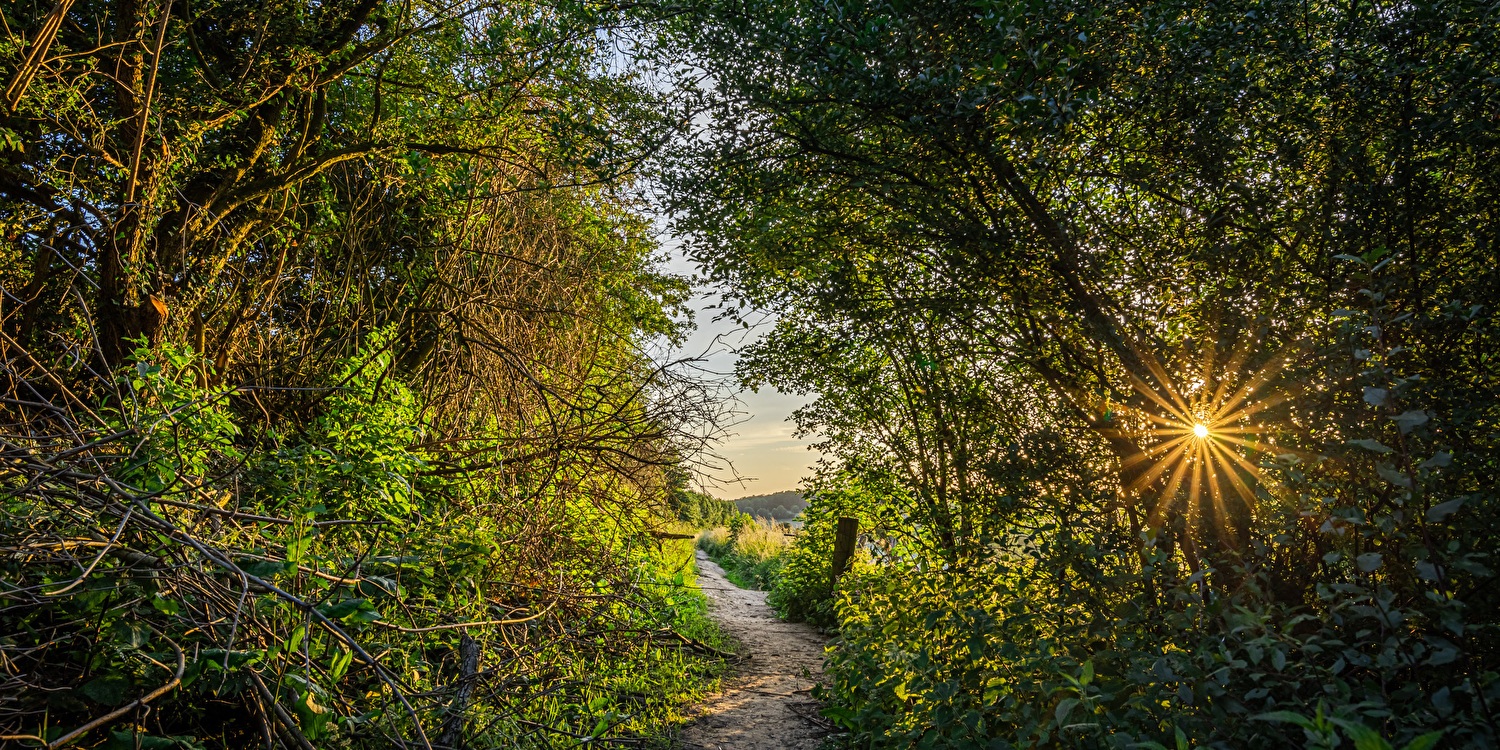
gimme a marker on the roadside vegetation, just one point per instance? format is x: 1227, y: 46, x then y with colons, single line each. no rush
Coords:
x: 750, y: 550
x: 329, y: 414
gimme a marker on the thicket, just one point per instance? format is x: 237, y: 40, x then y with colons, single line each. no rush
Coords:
x: 1019, y: 251
x: 327, y: 415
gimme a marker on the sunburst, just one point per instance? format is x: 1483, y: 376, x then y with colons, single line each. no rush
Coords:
x: 1197, y: 429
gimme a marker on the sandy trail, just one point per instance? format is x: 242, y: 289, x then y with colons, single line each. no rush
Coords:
x: 766, y: 705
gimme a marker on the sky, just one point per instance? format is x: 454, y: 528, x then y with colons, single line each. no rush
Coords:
x: 761, y: 449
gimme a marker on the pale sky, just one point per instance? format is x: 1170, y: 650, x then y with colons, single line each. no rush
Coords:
x: 761, y: 448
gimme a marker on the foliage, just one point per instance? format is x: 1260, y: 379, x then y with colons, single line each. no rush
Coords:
x: 697, y: 509
x: 339, y: 538
x: 328, y: 413
x: 803, y: 590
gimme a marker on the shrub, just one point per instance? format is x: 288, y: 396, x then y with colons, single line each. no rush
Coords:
x: 804, y: 587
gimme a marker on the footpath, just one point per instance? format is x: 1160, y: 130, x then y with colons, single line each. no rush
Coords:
x: 767, y: 704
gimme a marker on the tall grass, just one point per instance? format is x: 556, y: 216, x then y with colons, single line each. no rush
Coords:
x: 751, y: 551
x: 762, y: 540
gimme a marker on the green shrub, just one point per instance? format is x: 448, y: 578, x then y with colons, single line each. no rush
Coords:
x: 990, y: 656
x: 804, y: 588
x: 367, y: 550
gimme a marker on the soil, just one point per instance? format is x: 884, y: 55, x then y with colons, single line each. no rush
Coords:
x: 766, y: 704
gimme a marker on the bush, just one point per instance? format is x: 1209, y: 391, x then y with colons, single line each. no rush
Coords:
x: 363, y: 546
x: 1046, y: 638
x: 990, y: 655
x: 804, y: 588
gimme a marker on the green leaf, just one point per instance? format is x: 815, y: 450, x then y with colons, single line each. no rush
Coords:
x: 1443, y: 510
x: 1439, y: 460
x: 1370, y: 445
x: 1424, y: 742
x: 1364, y: 737
x: 1410, y: 420
x: 164, y: 605
x: 366, y: 613
x: 311, y: 715
x: 109, y: 690
x: 342, y: 609
x: 265, y: 569
x: 1288, y: 717
x: 1064, y: 708
x: 132, y: 635
x: 127, y: 740
x: 1394, y: 476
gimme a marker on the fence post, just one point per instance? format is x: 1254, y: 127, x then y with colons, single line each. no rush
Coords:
x: 843, y: 546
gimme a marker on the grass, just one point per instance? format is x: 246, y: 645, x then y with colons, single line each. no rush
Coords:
x: 751, y: 554
x: 644, y: 692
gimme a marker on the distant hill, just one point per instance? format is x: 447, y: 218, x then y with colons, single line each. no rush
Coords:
x: 781, y: 506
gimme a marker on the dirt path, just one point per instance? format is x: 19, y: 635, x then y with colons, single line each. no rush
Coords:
x: 766, y: 704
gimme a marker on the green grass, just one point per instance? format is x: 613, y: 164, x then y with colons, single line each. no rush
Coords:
x: 645, y: 692
x: 752, y: 555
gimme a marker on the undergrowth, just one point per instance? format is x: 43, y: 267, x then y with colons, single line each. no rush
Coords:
x: 751, y: 551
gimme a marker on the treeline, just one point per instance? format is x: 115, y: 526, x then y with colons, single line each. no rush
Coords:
x: 699, y: 510
x: 782, y: 506
x: 1153, y: 347
x: 327, y: 414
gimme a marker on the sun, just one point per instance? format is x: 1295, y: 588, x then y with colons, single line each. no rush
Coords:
x: 1194, y: 431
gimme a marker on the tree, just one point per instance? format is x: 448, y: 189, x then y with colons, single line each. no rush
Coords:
x: 325, y: 324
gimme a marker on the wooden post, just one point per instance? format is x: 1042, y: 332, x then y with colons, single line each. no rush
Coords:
x: 843, y: 546
x: 468, y: 666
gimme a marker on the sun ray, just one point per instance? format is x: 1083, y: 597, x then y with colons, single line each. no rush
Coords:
x: 1216, y: 495
x: 1183, y: 410
x: 1159, y: 432
x: 1193, y: 439
x: 1149, y: 392
x: 1236, y: 361
x: 1195, y: 482
x: 1251, y: 430
x: 1172, y: 485
x: 1240, y: 461
x: 1148, y: 454
x: 1264, y: 375
x: 1240, y: 487
x: 1144, y: 456
x: 1206, y: 368
x: 1155, y: 472
x: 1175, y: 423
x: 1260, y: 406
